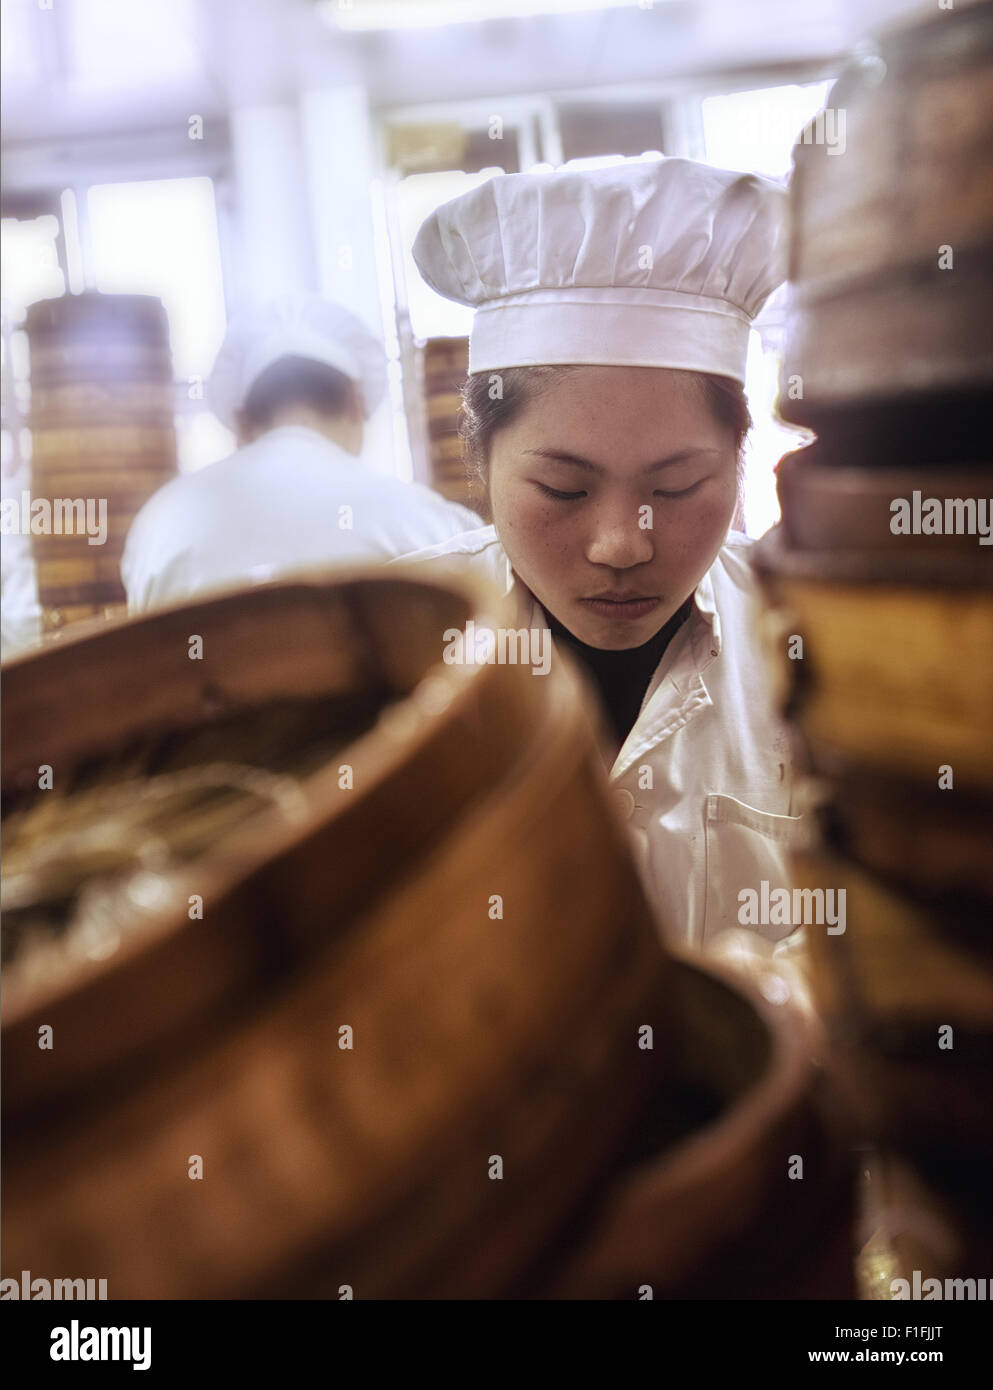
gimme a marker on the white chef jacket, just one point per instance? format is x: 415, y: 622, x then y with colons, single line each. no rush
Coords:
x: 705, y: 775
x: 282, y: 503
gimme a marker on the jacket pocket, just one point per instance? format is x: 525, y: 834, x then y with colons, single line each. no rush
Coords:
x: 746, y: 848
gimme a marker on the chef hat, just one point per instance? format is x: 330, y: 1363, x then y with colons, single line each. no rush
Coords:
x: 294, y: 326
x: 660, y: 263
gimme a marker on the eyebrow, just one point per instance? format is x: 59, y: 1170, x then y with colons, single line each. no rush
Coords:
x: 560, y: 456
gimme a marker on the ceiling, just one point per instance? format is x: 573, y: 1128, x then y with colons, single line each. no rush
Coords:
x: 97, y: 67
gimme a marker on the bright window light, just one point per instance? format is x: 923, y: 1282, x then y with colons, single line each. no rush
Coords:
x: 133, y: 44
x: 161, y: 238
x: 768, y: 440
x: 756, y: 131
x: 431, y: 315
x: 29, y: 263
x: 20, y: 56
x: 609, y: 161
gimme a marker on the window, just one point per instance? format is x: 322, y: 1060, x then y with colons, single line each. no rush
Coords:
x: 31, y: 268
x: 142, y: 42
x: 431, y: 315
x: 160, y: 237
x: 755, y: 131
x: 609, y: 128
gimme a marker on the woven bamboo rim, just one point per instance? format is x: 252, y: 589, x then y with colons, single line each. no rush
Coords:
x: 334, y: 1178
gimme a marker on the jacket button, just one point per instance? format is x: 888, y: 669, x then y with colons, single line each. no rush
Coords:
x: 624, y: 802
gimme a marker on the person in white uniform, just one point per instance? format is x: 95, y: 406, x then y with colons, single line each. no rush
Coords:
x: 605, y: 412
x: 295, y: 380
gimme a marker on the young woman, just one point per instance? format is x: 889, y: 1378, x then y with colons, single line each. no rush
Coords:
x: 604, y: 411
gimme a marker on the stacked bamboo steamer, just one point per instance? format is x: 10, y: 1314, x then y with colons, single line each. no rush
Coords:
x: 882, y: 589
x: 741, y: 1187
x: 102, y: 428
x: 890, y: 265
x: 445, y: 365
x: 465, y: 910
x: 196, y: 1127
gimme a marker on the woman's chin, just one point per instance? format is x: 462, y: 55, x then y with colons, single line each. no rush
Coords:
x: 612, y: 633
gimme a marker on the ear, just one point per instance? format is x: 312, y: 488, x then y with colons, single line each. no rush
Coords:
x: 738, y: 519
x: 479, y: 478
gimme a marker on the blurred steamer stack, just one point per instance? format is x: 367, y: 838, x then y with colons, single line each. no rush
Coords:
x: 879, y: 570
x: 102, y: 428
x: 445, y: 363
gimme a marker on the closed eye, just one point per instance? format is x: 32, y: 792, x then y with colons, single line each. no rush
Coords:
x: 560, y: 496
x: 685, y: 492
x: 575, y: 496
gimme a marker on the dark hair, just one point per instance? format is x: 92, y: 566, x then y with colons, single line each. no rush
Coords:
x: 482, y: 416
x: 296, y: 381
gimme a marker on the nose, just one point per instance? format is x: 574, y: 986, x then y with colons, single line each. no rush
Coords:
x: 616, y: 540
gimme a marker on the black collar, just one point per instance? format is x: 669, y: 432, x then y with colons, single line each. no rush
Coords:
x: 622, y: 677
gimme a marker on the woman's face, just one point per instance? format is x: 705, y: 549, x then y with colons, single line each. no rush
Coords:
x: 612, y: 491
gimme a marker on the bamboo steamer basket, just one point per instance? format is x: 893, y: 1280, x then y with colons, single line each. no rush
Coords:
x: 906, y: 831
x: 882, y: 641
x: 446, y: 359
x: 373, y: 639
x: 885, y: 987
x: 874, y: 317
x: 445, y: 363
x: 706, y: 1209
x: 472, y: 1037
x: 447, y: 454
x: 443, y: 411
x: 828, y: 506
x: 916, y: 838
x: 102, y: 428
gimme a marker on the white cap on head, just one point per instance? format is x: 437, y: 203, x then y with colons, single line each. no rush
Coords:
x: 647, y: 263
x: 294, y: 326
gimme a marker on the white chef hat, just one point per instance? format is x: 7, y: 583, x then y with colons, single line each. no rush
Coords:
x: 646, y: 263
x: 294, y: 326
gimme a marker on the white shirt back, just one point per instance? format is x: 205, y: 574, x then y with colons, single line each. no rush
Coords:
x: 291, y: 500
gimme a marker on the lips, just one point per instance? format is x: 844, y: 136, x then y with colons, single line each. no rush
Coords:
x: 617, y: 596
x: 621, y: 605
